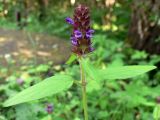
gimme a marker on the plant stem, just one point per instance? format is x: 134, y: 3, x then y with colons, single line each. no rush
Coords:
x: 84, y: 96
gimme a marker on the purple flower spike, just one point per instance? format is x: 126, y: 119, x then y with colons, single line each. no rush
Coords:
x: 69, y: 20
x: 82, y: 32
x: 77, y: 34
x: 49, y: 108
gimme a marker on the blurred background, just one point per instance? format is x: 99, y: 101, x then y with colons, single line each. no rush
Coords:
x: 35, y: 44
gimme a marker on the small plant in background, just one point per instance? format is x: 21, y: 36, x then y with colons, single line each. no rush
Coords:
x: 49, y: 108
x: 81, y: 46
x: 20, y: 81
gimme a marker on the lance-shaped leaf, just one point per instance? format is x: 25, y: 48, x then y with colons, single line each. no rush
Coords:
x: 125, y: 72
x: 43, y: 89
x: 122, y: 72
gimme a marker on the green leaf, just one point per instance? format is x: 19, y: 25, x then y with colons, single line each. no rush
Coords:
x: 156, y: 112
x: 42, y: 68
x: 43, y: 89
x: 90, y: 69
x: 71, y: 59
x: 124, y: 72
x: 93, y: 85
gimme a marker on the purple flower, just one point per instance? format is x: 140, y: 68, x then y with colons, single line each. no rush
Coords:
x: 20, y: 81
x: 91, y: 49
x: 89, y: 33
x: 77, y: 34
x: 69, y: 20
x: 49, y: 108
x: 74, y: 41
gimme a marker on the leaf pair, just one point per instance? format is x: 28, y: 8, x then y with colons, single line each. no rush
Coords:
x: 59, y: 83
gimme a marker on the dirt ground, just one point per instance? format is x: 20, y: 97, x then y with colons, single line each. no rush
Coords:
x: 23, y: 47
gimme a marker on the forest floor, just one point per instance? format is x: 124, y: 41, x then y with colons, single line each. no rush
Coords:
x: 23, y: 47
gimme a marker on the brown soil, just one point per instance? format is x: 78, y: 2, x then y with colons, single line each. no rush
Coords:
x: 24, y: 47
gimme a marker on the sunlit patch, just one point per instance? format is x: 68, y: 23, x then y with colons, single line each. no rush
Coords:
x: 26, y: 52
x: 44, y: 54
x: 2, y: 39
